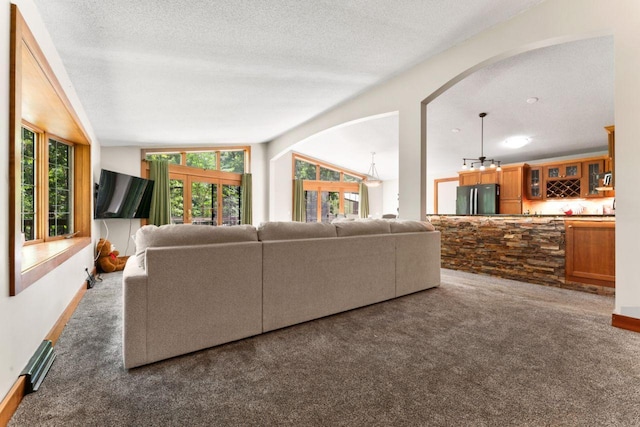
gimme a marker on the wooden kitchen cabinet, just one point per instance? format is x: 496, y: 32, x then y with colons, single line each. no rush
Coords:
x: 611, y: 135
x: 590, y: 252
x: 511, y: 185
x: 571, y: 170
x: 535, y: 183
x: 489, y: 176
x: 593, y: 172
x: 469, y: 178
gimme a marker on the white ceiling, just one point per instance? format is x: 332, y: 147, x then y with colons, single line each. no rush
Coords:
x: 166, y: 73
x: 156, y: 73
x: 574, y: 85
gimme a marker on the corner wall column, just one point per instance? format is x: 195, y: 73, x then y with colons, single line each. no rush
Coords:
x: 413, y: 162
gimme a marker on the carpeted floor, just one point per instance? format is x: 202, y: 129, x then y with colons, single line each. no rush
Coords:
x: 476, y: 351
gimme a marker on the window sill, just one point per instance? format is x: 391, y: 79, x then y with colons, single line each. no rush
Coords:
x: 41, y: 258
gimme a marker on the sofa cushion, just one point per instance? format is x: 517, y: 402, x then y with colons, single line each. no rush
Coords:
x: 406, y: 226
x: 286, y: 230
x: 362, y: 227
x: 187, y: 234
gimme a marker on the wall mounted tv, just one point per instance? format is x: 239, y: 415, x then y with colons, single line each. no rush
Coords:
x: 120, y: 195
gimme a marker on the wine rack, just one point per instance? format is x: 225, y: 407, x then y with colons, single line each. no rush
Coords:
x: 563, y: 188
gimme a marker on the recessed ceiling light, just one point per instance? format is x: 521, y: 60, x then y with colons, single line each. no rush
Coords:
x: 455, y: 130
x: 517, y: 141
x: 532, y: 100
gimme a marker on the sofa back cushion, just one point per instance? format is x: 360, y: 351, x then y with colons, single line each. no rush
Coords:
x: 186, y: 234
x: 362, y: 227
x: 295, y: 230
x: 406, y: 226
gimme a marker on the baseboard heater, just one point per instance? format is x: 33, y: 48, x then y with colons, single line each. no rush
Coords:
x: 38, y: 366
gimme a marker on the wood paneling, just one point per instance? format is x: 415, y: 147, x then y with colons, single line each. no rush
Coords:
x: 37, y: 97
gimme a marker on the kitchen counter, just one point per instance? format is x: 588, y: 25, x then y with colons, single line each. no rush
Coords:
x: 528, y: 248
x: 590, y: 217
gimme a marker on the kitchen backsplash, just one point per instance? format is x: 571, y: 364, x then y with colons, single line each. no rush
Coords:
x: 599, y: 206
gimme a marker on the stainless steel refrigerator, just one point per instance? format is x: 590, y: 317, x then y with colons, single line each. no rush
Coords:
x: 481, y: 199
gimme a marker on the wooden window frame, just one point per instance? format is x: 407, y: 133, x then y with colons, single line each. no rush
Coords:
x: 184, y: 150
x: 189, y: 172
x: 41, y: 219
x: 331, y: 186
x: 55, y: 114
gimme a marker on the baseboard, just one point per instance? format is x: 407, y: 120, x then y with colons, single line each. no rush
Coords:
x: 10, y: 403
x: 625, y: 322
x: 55, y: 332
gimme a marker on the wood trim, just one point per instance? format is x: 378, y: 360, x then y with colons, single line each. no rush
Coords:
x: 351, y: 187
x: 15, y: 122
x: 41, y: 269
x: 324, y: 165
x: 22, y: 40
x: 436, y: 182
x: 57, y: 329
x: 10, y: 403
x: 625, y: 322
x: 32, y: 45
x: 184, y: 150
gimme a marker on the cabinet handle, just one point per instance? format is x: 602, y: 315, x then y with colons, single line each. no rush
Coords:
x: 570, y: 226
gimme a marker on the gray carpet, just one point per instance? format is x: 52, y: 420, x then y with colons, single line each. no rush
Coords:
x: 476, y: 351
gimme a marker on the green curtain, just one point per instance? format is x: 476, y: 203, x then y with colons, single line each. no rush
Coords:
x: 299, y: 208
x: 246, y: 216
x: 160, y: 212
x: 364, y: 201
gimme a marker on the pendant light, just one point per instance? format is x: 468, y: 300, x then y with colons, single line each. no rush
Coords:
x: 480, y: 161
x: 373, y: 180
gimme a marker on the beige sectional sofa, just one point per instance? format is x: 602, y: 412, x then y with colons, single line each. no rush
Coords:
x: 191, y: 287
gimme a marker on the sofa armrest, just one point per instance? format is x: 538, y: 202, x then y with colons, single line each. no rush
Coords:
x: 134, y: 331
x: 417, y: 261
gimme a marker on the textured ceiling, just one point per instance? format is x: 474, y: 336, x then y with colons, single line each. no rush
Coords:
x: 574, y: 85
x: 154, y: 73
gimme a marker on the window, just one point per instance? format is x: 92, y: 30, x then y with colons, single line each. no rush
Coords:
x: 205, y: 184
x: 46, y: 187
x: 60, y: 195
x: 50, y: 182
x: 329, y: 190
x: 28, y: 185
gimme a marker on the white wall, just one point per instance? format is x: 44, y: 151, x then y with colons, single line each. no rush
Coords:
x: 376, y: 201
x: 446, y: 198
x: 260, y: 177
x: 118, y: 231
x: 627, y: 107
x: 28, y: 317
x: 551, y: 22
x: 281, y: 187
x: 390, y: 197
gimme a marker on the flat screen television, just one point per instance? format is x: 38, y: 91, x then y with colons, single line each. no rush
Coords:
x: 122, y: 196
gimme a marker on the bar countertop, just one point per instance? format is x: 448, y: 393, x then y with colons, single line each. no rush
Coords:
x: 589, y: 217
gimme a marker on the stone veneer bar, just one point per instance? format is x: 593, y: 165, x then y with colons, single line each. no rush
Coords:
x: 525, y: 248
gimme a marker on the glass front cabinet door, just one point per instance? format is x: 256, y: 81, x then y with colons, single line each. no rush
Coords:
x: 563, y: 171
x: 592, y: 179
x: 535, y: 183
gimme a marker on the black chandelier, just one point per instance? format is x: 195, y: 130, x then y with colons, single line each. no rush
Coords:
x: 480, y: 161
